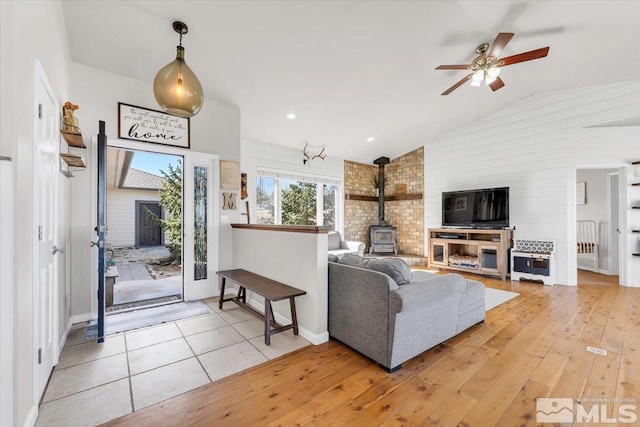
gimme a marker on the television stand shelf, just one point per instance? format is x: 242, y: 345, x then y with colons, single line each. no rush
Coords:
x: 471, y: 250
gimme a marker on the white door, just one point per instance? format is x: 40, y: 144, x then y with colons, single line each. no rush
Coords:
x: 200, y: 245
x: 46, y: 164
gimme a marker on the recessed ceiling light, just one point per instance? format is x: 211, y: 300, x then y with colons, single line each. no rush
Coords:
x: 370, y: 139
x: 291, y: 116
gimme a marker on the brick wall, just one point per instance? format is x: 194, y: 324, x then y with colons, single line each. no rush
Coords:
x: 406, y: 215
x: 359, y: 215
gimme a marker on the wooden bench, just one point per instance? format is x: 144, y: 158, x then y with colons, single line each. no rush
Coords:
x: 270, y: 290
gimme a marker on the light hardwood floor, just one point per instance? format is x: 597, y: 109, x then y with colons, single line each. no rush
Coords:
x: 532, y: 346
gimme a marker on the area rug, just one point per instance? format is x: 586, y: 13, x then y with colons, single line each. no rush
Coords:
x: 495, y: 297
x: 147, y: 317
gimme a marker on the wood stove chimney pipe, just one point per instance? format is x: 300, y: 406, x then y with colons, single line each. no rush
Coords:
x: 381, y: 161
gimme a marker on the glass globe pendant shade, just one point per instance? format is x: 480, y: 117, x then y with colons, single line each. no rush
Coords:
x: 177, y: 89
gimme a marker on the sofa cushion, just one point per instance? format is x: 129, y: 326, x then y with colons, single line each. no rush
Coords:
x: 353, y: 260
x: 334, y: 239
x: 395, y: 268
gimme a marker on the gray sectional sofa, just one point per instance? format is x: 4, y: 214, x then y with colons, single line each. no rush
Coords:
x: 339, y: 247
x: 391, y: 324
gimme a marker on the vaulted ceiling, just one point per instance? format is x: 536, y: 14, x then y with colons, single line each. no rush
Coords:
x: 351, y: 70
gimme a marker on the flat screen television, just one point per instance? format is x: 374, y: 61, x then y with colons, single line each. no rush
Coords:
x: 485, y: 208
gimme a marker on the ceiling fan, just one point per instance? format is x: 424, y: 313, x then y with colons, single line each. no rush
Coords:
x: 486, y: 66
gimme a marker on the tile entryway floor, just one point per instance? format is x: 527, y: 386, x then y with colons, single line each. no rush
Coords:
x: 94, y: 383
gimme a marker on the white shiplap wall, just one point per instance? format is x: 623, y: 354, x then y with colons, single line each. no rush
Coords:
x: 255, y: 155
x: 533, y: 148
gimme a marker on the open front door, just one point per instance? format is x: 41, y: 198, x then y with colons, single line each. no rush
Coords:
x: 200, y: 245
x: 101, y: 226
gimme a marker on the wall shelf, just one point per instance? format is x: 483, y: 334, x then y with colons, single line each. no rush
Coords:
x: 392, y: 198
x: 74, y: 139
x: 403, y: 197
x: 361, y: 198
x: 73, y: 161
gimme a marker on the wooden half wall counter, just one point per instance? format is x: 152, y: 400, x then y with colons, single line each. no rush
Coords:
x: 295, y: 255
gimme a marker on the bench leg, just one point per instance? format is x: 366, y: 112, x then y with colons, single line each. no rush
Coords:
x: 242, y: 294
x: 220, y: 301
x: 267, y: 321
x: 294, y: 317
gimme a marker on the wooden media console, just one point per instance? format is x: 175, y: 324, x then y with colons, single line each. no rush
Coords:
x: 471, y: 250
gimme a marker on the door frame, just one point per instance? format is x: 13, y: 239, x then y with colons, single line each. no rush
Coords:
x: 137, y: 220
x: 6, y: 290
x: 40, y: 77
x: 612, y: 268
x: 623, y: 171
x: 190, y: 158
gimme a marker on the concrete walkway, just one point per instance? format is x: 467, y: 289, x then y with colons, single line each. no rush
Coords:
x: 128, y: 272
x: 139, y: 290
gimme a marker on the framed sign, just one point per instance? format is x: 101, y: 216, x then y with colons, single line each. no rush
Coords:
x: 143, y: 124
x: 229, y: 175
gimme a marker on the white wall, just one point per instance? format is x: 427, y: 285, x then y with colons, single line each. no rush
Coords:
x: 215, y: 130
x: 30, y: 30
x: 596, y: 208
x: 121, y: 215
x: 273, y: 157
x: 531, y: 148
x: 295, y: 259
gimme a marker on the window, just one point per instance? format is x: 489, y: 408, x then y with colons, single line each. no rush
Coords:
x: 265, y: 200
x: 329, y: 205
x: 297, y: 200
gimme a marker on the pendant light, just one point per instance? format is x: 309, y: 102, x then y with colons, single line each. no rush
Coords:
x: 176, y: 87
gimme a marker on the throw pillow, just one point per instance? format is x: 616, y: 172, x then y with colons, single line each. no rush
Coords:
x: 353, y: 260
x: 395, y: 268
x: 333, y: 258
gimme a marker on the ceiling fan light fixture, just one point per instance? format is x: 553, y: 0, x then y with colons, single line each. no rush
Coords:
x: 493, y: 72
x: 475, y: 83
x: 477, y: 77
x: 176, y: 87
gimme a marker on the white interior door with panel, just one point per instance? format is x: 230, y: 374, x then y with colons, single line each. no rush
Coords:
x: 45, y: 183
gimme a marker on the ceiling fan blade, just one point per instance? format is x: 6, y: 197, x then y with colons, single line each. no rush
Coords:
x: 525, y: 56
x: 452, y: 67
x: 496, y: 84
x: 499, y: 43
x: 457, y: 85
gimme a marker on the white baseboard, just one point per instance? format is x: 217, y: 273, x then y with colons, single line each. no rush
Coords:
x: 84, y: 317
x: 63, y: 338
x: 30, y: 421
x: 314, y: 339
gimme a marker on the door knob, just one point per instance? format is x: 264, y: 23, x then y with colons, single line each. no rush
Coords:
x: 56, y: 249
